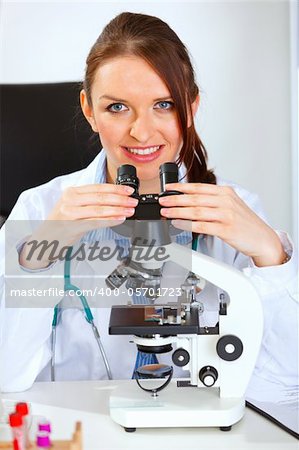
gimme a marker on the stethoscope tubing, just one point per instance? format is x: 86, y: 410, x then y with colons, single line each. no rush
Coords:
x: 68, y: 286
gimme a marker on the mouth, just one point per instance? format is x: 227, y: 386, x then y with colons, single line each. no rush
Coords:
x: 143, y: 154
x: 143, y: 150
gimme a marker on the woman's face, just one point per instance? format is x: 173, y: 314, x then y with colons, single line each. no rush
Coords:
x: 133, y: 112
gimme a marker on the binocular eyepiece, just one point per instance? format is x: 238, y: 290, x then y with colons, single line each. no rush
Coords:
x: 148, y: 207
x: 127, y: 175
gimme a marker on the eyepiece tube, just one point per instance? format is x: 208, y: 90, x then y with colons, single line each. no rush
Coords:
x: 168, y: 174
x: 126, y: 170
x: 126, y: 175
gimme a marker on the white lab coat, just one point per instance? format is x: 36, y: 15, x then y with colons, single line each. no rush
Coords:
x: 26, y: 331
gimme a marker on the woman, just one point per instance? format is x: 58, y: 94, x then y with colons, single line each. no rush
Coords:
x: 140, y: 96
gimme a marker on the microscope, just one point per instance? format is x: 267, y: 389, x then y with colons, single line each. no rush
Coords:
x: 218, y: 360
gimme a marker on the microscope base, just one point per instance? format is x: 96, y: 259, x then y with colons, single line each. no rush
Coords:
x: 173, y: 407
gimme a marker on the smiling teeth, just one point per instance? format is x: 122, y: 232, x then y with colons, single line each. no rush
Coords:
x: 146, y: 151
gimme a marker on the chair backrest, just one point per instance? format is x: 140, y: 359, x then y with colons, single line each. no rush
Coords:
x: 43, y: 134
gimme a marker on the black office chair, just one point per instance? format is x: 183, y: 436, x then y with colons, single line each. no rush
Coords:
x: 43, y: 134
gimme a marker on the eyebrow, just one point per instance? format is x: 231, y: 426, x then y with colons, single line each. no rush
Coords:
x: 121, y: 100
x: 108, y: 97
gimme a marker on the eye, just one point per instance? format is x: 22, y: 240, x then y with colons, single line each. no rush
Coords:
x: 165, y: 105
x: 116, y: 107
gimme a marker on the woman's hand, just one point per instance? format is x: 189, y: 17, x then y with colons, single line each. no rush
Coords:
x: 95, y: 202
x: 79, y: 210
x: 219, y: 211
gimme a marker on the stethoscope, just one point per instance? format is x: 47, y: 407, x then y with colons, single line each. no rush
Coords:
x: 68, y: 286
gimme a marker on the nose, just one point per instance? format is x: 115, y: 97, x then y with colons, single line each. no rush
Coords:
x: 142, y: 129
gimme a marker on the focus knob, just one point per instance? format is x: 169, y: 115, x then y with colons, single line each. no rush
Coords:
x: 208, y: 376
x: 229, y: 347
x: 180, y: 357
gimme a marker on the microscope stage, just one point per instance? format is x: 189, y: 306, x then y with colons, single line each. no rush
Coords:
x: 135, y: 320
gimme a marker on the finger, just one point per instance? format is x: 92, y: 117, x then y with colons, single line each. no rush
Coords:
x: 105, y: 220
x: 190, y: 200
x: 209, y: 228
x: 200, y: 188
x: 99, y: 212
x: 103, y: 198
x: 194, y: 214
x: 182, y: 224
x: 101, y: 188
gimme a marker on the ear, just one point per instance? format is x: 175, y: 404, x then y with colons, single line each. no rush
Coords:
x: 87, y: 111
x: 194, y: 108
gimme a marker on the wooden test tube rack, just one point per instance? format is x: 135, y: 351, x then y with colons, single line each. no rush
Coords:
x: 74, y: 444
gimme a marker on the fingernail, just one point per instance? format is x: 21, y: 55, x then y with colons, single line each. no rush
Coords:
x: 164, y: 200
x: 129, y: 189
x: 132, y: 201
x: 129, y: 211
x: 165, y: 211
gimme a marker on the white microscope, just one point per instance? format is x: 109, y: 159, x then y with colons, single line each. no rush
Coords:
x: 218, y: 360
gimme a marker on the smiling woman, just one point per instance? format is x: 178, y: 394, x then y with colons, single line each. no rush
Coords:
x: 140, y: 64
x: 140, y: 96
x: 137, y: 122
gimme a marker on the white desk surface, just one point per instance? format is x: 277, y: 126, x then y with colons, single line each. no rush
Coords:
x: 64, y: 403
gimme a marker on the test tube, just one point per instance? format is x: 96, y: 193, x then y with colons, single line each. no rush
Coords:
x: 16, y: 423
x: 43, y: 440
x: 22, y: 408
x: 44, y: 425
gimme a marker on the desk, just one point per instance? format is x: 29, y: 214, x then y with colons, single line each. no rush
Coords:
x: 63, y: 403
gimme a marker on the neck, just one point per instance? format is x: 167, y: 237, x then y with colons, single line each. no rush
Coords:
x: 149, y: 186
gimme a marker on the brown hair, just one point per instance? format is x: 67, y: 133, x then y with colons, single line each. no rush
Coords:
x: 153, y: 40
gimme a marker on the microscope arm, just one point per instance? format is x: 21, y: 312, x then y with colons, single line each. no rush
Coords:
x: 244, y: 318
